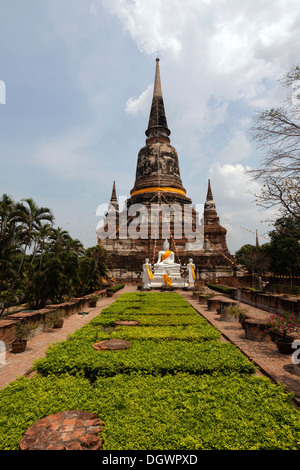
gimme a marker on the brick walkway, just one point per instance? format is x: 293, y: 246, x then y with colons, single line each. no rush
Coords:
x: 277, y: 366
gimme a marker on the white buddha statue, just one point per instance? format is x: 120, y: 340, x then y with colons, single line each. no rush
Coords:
x: 191, y: 273
x: 147, y: 274
x: 166, y: 257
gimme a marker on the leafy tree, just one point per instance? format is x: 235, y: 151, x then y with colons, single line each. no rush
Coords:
x: 92, y: 269
x: 30, y: 217
x: 255, y: 259
x: 284, y: 248
x: 40, y: 263
x: 58, y: 240
x: 9, y: 239
x: 281, y: 256
x: 10, y: 250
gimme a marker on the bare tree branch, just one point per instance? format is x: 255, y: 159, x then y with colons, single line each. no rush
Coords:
x: 278, y: 132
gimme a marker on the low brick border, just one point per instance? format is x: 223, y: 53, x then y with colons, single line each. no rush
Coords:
x: 126, y: 323
x: 111, y: 344
x: 225, y: 303
x: 75, y: 305
x: 213, y: 304
x: 255, y: 330
x: 66, y: 430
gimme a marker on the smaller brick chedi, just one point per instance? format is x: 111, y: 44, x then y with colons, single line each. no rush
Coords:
x: 158, y: 209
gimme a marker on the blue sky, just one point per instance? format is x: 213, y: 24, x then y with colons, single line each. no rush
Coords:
x: 79, y: 76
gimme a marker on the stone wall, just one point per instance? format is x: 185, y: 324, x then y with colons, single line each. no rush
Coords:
x: 7, y: 324
x: 268, y: 302
x: 237, y: 281
x: 249, y: 281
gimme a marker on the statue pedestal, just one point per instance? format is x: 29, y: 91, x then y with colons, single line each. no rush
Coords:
x: 173, y: 271
x: 165, y: 265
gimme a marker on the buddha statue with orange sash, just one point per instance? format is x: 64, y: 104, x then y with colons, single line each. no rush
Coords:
x: 166, y: 257
x: 147, y: 274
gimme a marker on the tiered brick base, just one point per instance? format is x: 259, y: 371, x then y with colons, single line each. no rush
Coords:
x: 67, y: 430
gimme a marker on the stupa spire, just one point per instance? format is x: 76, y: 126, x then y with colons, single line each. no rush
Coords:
x: 113, y: 193
x: 157, y: 91
x: 214, y: 233
x: 157, y: 125
x: 113, y: 200
x: 256, y: 239
x: 157, y: 169
x: 209, y: 196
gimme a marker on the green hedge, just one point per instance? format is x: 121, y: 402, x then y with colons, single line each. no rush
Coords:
x: 126, y: 308
x: 77, y: 356
x: 151, y: 350
x: 25, y: 401
x: 151, y: 304
x: 200, y: 332
x: 186, y: 412
x: 222, y: 289
x: 173, y: 412
x: 108, y: 320
x: 153, y: 298
x: 115, y: 288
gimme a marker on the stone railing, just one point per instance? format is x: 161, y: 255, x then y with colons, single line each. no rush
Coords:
x: 268, y: 302
x: 38, y: 317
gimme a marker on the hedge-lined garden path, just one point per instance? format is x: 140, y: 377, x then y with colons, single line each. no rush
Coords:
x: 265, y: 355
x: 17, y: 365
x: 176, y: 387
x: 277, y: 366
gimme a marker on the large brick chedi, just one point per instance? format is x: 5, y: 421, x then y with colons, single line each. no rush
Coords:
x: 158, y: 208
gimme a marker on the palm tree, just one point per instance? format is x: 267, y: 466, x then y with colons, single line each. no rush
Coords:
x: 75, y: 246
x: 58, y: 265
x: 63, y: 256
x: 10, y: 239
x: 93, y: 266
x: 7, y: 207
x: 44, y: 234
x: 59, y: 239
x: 30, y: 218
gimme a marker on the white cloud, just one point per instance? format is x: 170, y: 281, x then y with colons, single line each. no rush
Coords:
x: 227, y: 49
x: 233, y: 192
x: 212, y: 56
x: 219, y: 61
x: 238, y: 148
x: 152, y: 25
x: 94, y: 9
x: 134, y: 106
